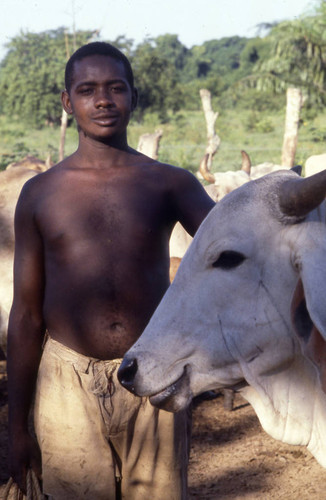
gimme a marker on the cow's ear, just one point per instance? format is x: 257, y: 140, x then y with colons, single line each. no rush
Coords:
x: 308, y: 304
x: 297, y: 169
x: 312, y: 342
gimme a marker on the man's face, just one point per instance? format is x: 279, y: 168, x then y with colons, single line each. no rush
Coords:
x: 100, y: 97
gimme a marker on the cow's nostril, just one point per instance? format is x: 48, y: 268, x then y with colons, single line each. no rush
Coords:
x: 127, y: 372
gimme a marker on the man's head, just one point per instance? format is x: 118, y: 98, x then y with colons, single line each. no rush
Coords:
x: 97, y: 48
x: 100, y: 92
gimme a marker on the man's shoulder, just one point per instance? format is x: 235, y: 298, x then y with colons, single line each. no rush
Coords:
x: 41, y: 182
x: 180, y: 178
x: 171, y: 171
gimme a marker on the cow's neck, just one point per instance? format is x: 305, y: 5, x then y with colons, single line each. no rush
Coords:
x: 291, y: 406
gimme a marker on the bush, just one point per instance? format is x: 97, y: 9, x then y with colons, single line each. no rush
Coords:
x: 258, y: 124
x: 317, y: 134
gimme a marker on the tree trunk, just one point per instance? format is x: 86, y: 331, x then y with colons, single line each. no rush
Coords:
x: 148, y: 144
x: 64, y: 116
x: 213, y: 140
x: 293, y: 107
x: 63, y: 129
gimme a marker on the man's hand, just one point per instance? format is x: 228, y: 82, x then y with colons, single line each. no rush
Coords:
x: 24, y: 454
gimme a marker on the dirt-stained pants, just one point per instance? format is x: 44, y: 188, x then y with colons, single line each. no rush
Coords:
x: 98, y: 441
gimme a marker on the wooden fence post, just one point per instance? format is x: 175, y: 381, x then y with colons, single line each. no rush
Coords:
x: 212, y: 137
x: 148, y: 144
x: 290, y: 140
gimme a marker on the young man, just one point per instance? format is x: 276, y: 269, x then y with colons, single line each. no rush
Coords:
x: 91, y: 265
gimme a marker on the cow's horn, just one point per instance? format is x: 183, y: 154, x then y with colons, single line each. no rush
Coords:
x: 299, y: 196
x: 203, y: 169
x: 246, y: 162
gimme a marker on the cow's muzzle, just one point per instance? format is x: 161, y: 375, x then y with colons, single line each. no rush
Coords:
x: 173, y: 397
x: 127, y: 373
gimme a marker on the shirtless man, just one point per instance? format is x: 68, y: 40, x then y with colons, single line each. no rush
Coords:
x: 91, y: 265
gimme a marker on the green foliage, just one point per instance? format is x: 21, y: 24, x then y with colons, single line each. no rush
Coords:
x: 215, y: 57
x: 124, y: 44
x: 18, y: 140
x: 241, y: 97
x: 241, y: 73
x: 225, y: 54
x: 254, y: 122
x: 296, y: 57
x: 156, y: 80
x: 171, y: 49
x: 318, y: 135
x: 32, y: 75
x: 254, y: 53
x: 184, y: 138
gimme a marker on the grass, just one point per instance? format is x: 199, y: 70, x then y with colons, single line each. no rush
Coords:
x: 184, y: 138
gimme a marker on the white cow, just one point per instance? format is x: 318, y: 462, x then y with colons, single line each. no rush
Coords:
x: 315, y: 164
x: 263, y: 169
x: 225, y: 182
x: 222, y: 184
x: 226, y: 319
x: 11, y: 183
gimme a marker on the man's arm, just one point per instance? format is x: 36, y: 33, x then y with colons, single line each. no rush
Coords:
x: 192, y: 203
x: 25, y: 337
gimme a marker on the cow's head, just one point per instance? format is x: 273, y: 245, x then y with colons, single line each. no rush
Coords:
x: 226, y: 319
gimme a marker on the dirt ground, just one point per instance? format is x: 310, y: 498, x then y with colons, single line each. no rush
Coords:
x: 231, y: 456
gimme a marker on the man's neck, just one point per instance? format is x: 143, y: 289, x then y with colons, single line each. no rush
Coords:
x: 97, y: 153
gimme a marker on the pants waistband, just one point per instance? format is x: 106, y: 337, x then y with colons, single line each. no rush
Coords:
x: 81, y: 362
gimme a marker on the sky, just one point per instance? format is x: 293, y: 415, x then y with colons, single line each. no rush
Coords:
x: 194, y: 21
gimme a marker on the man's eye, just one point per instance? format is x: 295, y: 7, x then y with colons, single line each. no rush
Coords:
x: 229, y: 259
x: 117, y: 89
x: 85, y: 91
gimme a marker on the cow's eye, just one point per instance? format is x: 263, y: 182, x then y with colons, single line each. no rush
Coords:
x: 229, y: 259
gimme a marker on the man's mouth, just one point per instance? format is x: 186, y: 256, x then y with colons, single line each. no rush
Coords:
x: 105, y: 120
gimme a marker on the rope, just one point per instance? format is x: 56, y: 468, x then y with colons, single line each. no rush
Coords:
x: 12, y: 491
x: 8, y: 488
x: 38, y: 495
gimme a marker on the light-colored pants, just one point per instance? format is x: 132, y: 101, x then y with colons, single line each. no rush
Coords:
x: 98, y: 441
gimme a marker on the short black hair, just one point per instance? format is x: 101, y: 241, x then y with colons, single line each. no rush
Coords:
x: 94, y: 49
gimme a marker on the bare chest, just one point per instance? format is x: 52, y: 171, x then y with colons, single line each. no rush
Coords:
x: 104, y: 215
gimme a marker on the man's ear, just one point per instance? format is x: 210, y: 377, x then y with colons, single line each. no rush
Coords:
x: 66, y: 103
x: 134, y: 99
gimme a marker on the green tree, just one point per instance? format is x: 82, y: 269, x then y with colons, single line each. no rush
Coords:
x: 157, y: 81
x: 172, y: 49
x: 215, y: 57
x: 126, y: 45
x: 254, y: 52
x: 297, y: 57
x: 197, y: 64
x: 32, y: 75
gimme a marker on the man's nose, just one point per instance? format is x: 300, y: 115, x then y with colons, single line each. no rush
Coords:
x: 103, y: 99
